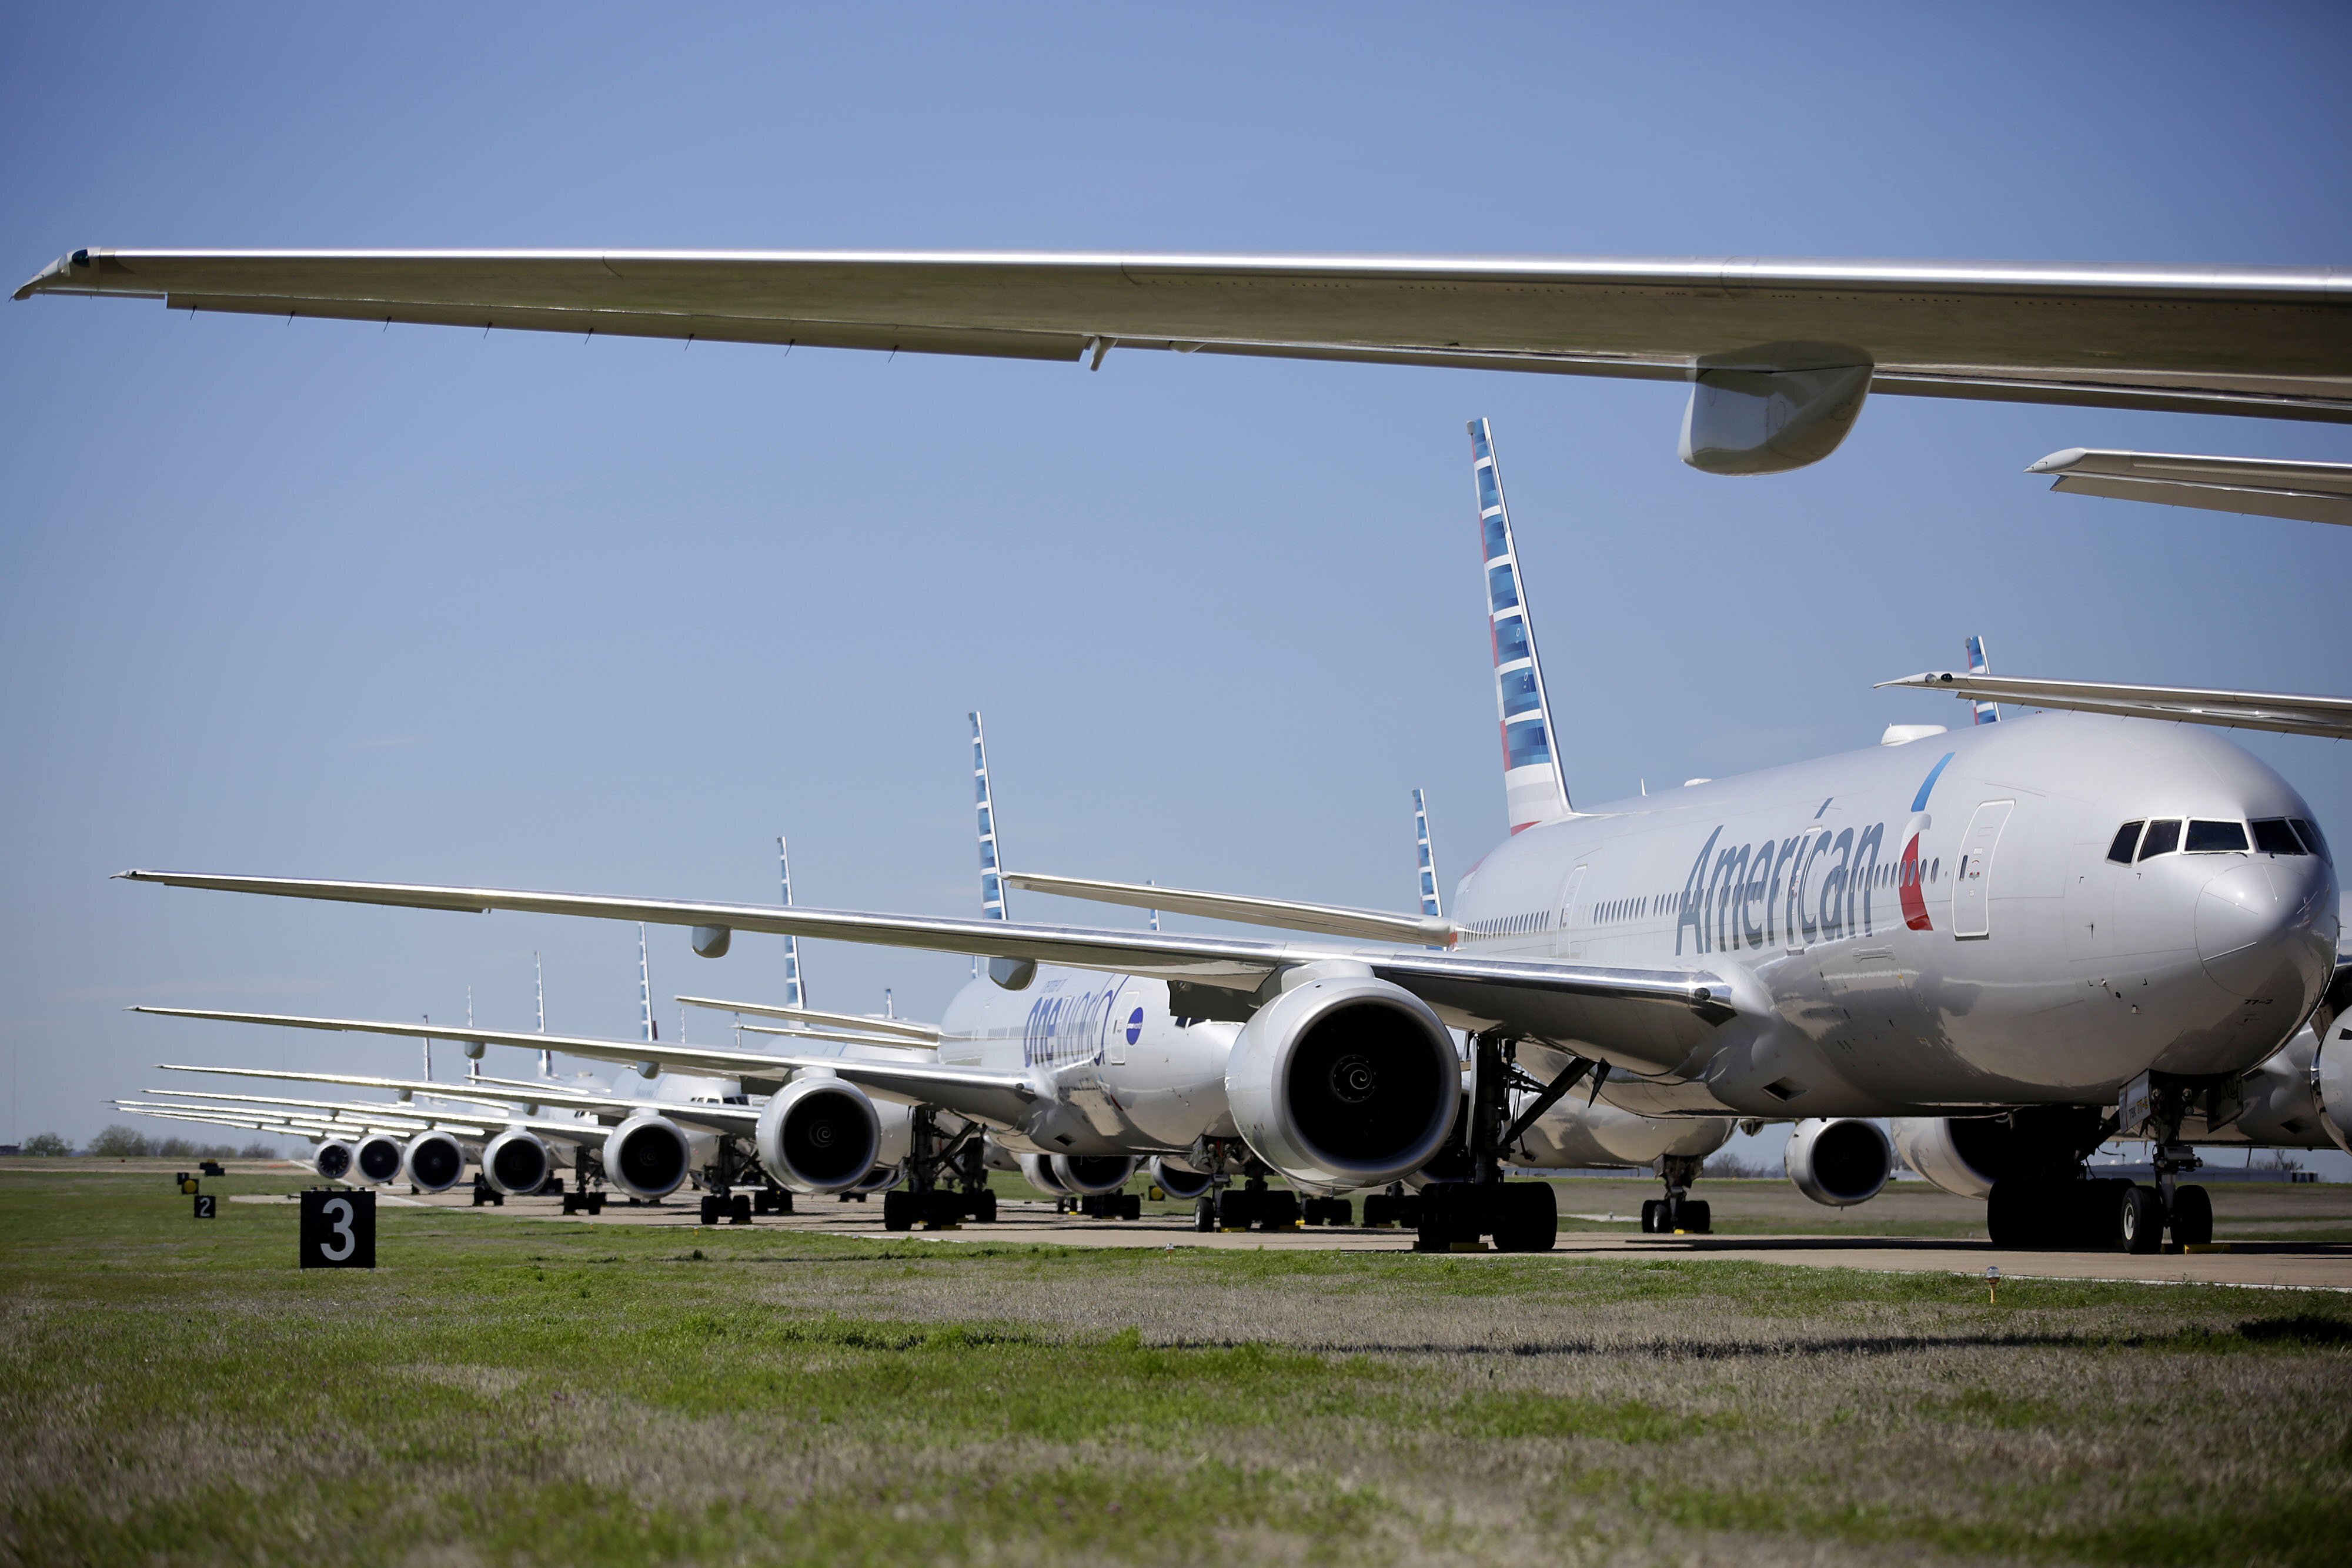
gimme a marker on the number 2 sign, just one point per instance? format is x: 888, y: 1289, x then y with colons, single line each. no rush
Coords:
x: 338, y: 1229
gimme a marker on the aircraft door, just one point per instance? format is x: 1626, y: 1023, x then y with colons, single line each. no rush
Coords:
x: 1972, y: 884
x: 1571, y: 914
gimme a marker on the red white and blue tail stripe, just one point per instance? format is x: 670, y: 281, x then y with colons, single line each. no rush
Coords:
x: 1431, y: 904
x: 793, y: 996
x: 1533, y: 790
x: 992, y: 886
x: 1986, y: 713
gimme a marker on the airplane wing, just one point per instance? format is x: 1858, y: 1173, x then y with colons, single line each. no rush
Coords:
x: 394, y: 1116
x: 2270, y: 340
x: 1653, y: 1017
x: 850, y: 1025
x: 611, y: 1108
x: 2264, y: 486
x: 2328, y: 717
x: 1323, y: 919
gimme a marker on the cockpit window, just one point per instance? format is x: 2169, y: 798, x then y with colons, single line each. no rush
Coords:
x: 2310, y: 833
x: 2127, y: 840
x: 2215, y: 838
x: 2273, y: 837
x: 2163, y: 838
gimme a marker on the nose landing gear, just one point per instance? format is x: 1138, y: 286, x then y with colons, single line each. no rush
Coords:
x: 1678, y: 1213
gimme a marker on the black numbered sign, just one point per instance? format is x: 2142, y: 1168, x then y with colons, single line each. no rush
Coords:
x: 205, y: 1206
x: 338, y: 1229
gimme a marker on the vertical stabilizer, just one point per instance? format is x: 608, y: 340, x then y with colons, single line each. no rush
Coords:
x: 793, y: 995
x: 539, y: 976
x: 992, y: 886
x: 1986, y: 713
x: 1533, y: 790
x: 1431, y: 904
x: 645, y: 990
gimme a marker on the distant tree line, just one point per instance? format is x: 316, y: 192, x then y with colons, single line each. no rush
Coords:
x: 121, y: 1143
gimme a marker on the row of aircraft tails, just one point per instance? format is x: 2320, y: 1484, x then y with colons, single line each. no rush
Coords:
x: 2011, y: 941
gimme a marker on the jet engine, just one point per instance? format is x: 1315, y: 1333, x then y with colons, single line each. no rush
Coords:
x: 516, y: 1163
x: 1179, y: 1182
x: 1962, y: 1155
x: 820, y: 1135
x: 1091, y: 1175
x: 2331, y: 1083
x: 332, y: 1159
x: 1839, y: 1161
x: 433, y: 1162
x: 377, y: 1160
x: 1037, y: 1170
x: 648, y: 1156
x: 881, y: 1178
x: 1343, y: 1082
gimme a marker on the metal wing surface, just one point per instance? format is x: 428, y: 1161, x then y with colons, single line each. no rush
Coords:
x: 2273, y: 340
x: 1323, y: 919
x: 2325, y: 717
x: 615, y: 1108
x: 1649, y: 1016
x: 2260, y: 487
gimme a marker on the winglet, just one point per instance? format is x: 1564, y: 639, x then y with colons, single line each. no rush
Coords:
x: 1533, y: 790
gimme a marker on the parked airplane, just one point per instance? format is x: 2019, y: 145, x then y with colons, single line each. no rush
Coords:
x: 2091, y: 925
x: 1780, y: 355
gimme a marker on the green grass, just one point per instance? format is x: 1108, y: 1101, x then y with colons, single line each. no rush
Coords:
x: 177, y: 1392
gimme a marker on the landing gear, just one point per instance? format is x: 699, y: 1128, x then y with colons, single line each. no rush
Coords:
x: 2142, y: 1219
x: 935, y: 1159
x: 1522, y: 1217
x: 1110, y: 1205
x: 579, y: 1200
x: 1257, y: 1207
x: 729, y: 1208
x: 484, y: 1193
x: 1678, y: 1213
x: 1393, y: 1207
x: 772, y: 1199
x: 1330, y: 1212
x: 2192, y: 1216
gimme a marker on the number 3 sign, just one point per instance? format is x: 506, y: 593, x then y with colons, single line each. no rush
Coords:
x: 338, y: 1229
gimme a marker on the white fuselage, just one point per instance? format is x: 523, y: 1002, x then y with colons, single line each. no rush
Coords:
x: 1899, y: 943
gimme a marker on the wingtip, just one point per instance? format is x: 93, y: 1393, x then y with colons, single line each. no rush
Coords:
x: 1923, y: 678
x: 2059, y: 460
x: 60, y: 267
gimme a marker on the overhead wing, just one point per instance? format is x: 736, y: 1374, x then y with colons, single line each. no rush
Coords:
x: 720, y: 1118
x: 849, y: 1025
x: 1651, y: 1017
x: 2264, y: 487
x: 2329, y: 717
x: 2229, y: 340
x: 1323, y: 919
x: 399, y: 1115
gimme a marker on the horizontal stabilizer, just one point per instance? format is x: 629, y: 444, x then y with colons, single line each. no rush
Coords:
x: 1323, y: 919
x: 2262, y: 486
x: 2328, y: 717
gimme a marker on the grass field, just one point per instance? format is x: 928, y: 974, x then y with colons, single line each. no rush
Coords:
x: 504, y: 1391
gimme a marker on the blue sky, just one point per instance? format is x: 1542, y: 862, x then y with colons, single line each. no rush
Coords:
x: 330, y: 600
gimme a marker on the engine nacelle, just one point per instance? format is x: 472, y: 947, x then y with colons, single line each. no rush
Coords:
x: 2331, y: 1082
x: 648, y: 1156
x: 1839, y: 1161
x: 881, y: 1178
x: 1091, y: 1175
x: 1962, y: 1155
x: 377, y: 1160
x: 433, y: 1162
x: 1343, y: 1082
x: 332, y: 1159
x: 1037, y: 1170
x: 820, y: 1135
x: 516, y: 1163
x: 1179, y: 1182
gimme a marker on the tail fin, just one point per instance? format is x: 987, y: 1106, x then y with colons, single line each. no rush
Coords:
x: 1430, y: 905
x: 645, y: 989
x: 546, y: 1058
x: 992, y: 886
x: 1986, y: 713
x: 1533, y: 790
x: 793, y: 994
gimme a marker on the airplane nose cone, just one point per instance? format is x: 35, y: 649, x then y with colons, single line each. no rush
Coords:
x: 2257, y: 934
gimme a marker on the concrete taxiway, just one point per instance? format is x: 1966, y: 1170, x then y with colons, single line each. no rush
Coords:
x: 2278, y: 1264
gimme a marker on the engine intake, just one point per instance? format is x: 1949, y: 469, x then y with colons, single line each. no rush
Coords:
x: 1037, y: 1170
x: 820, y: 1135
x: 332, y: 1159
x: 1344, y: 1082
x: 1962, y: 1155
x: 1091, y: 1175
x: 1839, y: 1161
x: 433, y: 1162
x: 1179, y: 1182
x: 646, y: 1156
x: 516, y: 1163
x: 377, y: 1158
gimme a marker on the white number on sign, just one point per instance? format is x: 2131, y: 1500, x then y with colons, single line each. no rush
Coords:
x: 340, y: 1208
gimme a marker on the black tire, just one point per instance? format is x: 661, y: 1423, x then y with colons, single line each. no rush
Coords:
x: 2192, y: 1216
x: 1650, y: 1207
x: 2143, y: 1219
x: 983, y: 1207
x: 2016, y: 1214
x: 1698, y: 1217
x: 1236, y: 1208
x: 1526, y: 1218
x: 1277, y: 1209
x: 1132, y: 1206
x: 1341, y: 1212
x: 898, y: 1211
x: 1204, y: 1213
x: 1436, y: 1227
x: 1377, y: 1210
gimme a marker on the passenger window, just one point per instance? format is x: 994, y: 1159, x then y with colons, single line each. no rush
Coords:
x: 2126, y: 839
x: 2310, y: 833
x: 2207, y: 837
x: 2163, y: 838
x: 2273, y: 837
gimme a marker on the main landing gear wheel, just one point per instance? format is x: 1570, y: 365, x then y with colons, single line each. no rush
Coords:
x: 2192, y: 1216
x: 1526, y: 1218
x: 1204, y: 1213
x: 2143, y: 1219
